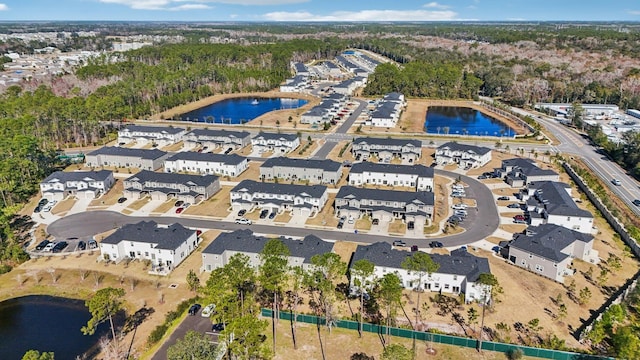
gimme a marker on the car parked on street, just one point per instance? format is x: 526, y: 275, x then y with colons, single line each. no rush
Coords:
x: 435, y: 244
x: 636, y: 202
x: 243, y: 221
x: 399, y: 243
x: 616, y: 182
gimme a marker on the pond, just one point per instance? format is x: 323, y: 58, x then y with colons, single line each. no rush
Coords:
x: 455, y: 120
x: 45, y: 323
x: 239, y: 110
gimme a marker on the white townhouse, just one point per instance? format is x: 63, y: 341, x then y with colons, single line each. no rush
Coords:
x: 466, y: 156
x: 81, y: 184
x: 519, y: 172
x: 385, y: 205
x: 119, y: 157
x: 325, y: 111
x: 315, y: 171
x: 549, y: 249
x: 458, y: 272
x: 245, y: 242
x: 299, y: 199
x: 165, y: 246
x: 278, y: 143
x: 206, y: 163
x: 159, y: 135
x: 347, y: 87
x: 213, y: 138
x: 295, y: 84
x: 345, y: 63
x: 165, y: 186
x: 550, y: 202
x: 388, y: 111
x: 386, y: 148
x: 416, y: 176
x: 332, y: 69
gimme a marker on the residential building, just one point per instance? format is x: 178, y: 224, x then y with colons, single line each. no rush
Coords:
x: 206, y: 163
x: 550, y: 202
x: 164, y: 186
x: 348, y: 86
x: 158, y: 135
x: 119, y: 157
x: 466, y: 156
x: 278, y: 143
x: 331, y: 69
x: 218, y: 253
x: 388, y: 110
x: 345, y: 63
x: 386, y: 148
x: 325, y: 111
x: 415, y: 176
x: 164, y: 247
x: 289, y: 169
x: 385, y: 205
x: 213, y: 138
x: 299, y: 199
x: 548, y: 250
x: 519, y: 172
x: 458, y: 272
x: 81, y: 184
x: 300, y: 69
x: 295, y: 84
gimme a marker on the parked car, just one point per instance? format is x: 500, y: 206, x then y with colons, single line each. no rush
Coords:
x: 351, y: 220
x: 121, y: 200
x: 399, y: 243
x: 82, y: 245
x: 194, y: 309
x: 243, y: 221
x: 458, y: 194
x: 37, y: 209
x: 92, y: 244
x: 616, y: 182
x: 460, y: 213
x: 435, y: 244
x: 42, y: 244
x: 179, y: 210
x: 482, y: 177
x: 226, y: 152
x: 272, y: 215
x: 186, y: 205
x: 264, y: 213
x: 636, y: 202
x: 514, y: 206
x: 198, y: 232
x: 375, y: 221
x: 242, y: 212
x: 459, y: 206
x: 178, y: 203
x: 59, y: 246
x: 503, y: 198
x: 208, y: 310
x: 49, y: 246
x: 496, y: 249
x: 217, y: 327
x: 43, y: 202
x: 519, y: 217
x: 414, y: 248
x: 520, y: 221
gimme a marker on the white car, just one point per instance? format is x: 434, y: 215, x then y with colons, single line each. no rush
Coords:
x: 616, y: 182
x: 459, y: 206
x: 208, y: 310
x: 49, y: 246
x: 243, y: 221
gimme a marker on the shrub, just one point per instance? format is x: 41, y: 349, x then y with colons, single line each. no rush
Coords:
x: 515, y: 354
x: 157, y: 334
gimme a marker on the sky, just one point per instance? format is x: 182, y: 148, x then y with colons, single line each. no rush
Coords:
x: 320, y: 10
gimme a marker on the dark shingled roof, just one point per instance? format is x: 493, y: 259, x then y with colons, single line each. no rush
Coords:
x: 366, y: 166
x: 245, y: 241
x: 219, y: 133
x: 326, y: 164
x: 519, y: 162
x: 172, y: 178
x: 250, y: 186
x: 458, y: 262
x: 350, y: 192
x: 152, y: 129
x: 148, y: 232
x: 63, y: 176
x: 465, y: 148
x: 150, y: 154
x: 276, y: 136
x: 388, y: 141
x: 558, y: 200
x: 548, y: 241
x: 232, y: 159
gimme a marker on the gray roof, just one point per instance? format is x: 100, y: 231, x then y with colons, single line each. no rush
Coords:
x: 369, y: 59
x: 326, y: 164
x: 152, y: 129
x: 330, y: 65
x: 350, y: 192
x: 518, y: 162
x: 173, y: 178
x: 454, y: 146
x: 300, y: 67
x: 245, y: 241
x: 536, y: 171
x: 219, y: 133
x: 232, y: 159
x: 148, y: 232
x: 548, y: 241
x: 252, y: 187
x: 393, y: 96
x: 151, y: 154
x: 276, y: 136
x: 367, y: 166
x: 556, y: 199
x: 458, y: 262
x: 62, y: 176
x: 387, y: 141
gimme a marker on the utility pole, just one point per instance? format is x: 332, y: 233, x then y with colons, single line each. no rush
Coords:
x: 484, y: 306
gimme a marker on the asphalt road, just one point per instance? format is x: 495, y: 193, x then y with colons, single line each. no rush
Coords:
x: 196, y: 323
x: 478, y: 225
x: 341, y: 132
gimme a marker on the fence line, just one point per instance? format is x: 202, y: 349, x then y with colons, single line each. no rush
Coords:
x: 439, y: 338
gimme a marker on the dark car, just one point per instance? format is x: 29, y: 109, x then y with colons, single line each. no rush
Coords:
x: 93, y: 244
x: 482, y: 177
x: 264, y: 213
x: 242, y: 212
x: 272, y: 215
x: 82, y: 245
x: 228, y: 151
x: 121, y: 200
x: 217, y: 327
x: 60, y: 246
x: 43, y: 202
x: 399, y: 243
x: 414, y: 248
x: 194, y: 309
x: 42, y: 244
x: 636, y: 202
x: 513, y: 206
x: 375, y: 222
x: 37, y: 209
x: 340, y: 224
x: 503, y: 198
x: 178, y: 203
x: 435, y: 244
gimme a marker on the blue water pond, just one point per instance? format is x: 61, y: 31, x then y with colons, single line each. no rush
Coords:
x: 455, y: 120
x: 239, y: 110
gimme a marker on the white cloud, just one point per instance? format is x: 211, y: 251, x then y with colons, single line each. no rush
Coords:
x: 141, y: 4
x: 168, y: 4
x: 190, y: 7
x: 4, y: 7
x: 634, y: 12
x: 364, y: 15
x: 257, y: 2
x: 435, y: 5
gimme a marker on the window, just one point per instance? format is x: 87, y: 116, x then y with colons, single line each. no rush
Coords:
x: 523, y: 262
x: 530, y: 256
x: 446, y: 286
x: 539, y: 268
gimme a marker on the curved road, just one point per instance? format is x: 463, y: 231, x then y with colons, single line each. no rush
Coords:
x: 478, y: 225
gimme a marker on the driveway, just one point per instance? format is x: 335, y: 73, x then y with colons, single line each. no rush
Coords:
x: 196, y: 323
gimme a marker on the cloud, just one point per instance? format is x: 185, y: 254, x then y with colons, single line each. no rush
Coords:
x: 4, y: 7
x: 435, y: 5
x: 363, y: 15
x: 191, y: 4
x: 634, y: 12
x: 190, y: 7
x: 257, y: 2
